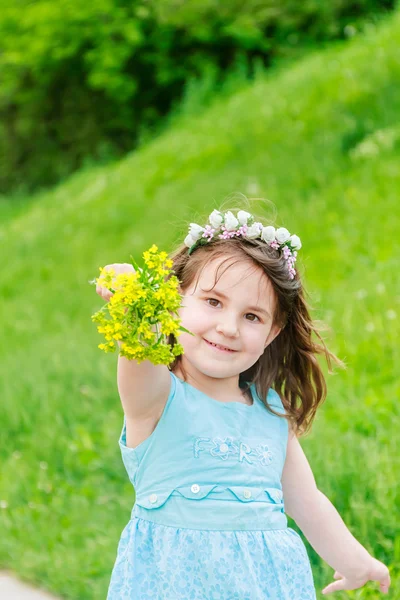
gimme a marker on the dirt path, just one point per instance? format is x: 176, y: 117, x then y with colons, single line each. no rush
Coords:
x: 12, y: 589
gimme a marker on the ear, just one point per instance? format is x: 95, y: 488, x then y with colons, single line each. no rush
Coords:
x: 274, y: 332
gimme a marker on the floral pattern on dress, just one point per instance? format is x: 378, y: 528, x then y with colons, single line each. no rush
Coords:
x: 158, y: 562
x: 265, y: 455
x: 224, y: 447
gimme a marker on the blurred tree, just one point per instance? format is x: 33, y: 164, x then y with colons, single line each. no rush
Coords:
x: 80, y: 81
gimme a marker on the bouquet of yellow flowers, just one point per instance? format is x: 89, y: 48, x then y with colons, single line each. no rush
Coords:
x: 142, y: 311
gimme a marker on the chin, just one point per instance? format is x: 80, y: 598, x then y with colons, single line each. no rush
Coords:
x: 216, y: 371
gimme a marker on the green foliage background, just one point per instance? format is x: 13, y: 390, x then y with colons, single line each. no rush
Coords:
x: 319, y: 139
x: 84, y: 82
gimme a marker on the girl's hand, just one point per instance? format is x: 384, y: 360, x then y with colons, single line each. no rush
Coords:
x: 376, y: 571
x: 118, y: 268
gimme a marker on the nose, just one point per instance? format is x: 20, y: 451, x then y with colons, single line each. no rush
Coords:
x: 228, y: 327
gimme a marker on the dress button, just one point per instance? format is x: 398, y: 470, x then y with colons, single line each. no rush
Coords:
x: 195, y: 488
x: 153, y: 498
x: 247, y: 494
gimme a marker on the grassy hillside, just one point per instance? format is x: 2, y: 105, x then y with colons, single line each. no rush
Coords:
x: 321, y: 141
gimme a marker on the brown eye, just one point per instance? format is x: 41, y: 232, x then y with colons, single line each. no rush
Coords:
x: 212, y: 300
x: 253, y: 320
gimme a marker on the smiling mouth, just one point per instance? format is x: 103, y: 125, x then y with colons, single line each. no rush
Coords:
x: 223, y: 348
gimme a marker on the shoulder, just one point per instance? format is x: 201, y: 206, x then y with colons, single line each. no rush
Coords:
x: 137, y: 433
x: 274, y: 401
x: 272, y: 398
x: 177, y: 384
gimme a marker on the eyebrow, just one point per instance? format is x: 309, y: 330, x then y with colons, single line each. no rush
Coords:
x: 221, y: 295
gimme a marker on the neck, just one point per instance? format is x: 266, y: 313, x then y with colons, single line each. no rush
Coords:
x: 218, y: 388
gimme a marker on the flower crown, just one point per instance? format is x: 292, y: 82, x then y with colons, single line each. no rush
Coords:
x: 225, y: 226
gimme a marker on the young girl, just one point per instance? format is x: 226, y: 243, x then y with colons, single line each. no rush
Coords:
x: 211, y: 445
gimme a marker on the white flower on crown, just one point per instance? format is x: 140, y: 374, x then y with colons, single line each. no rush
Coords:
x: 230, y: 221
x: 189, y: 241
x: 243, y: 217
x: 215, y: 219
x: 268, y: 233
x: 221, y: 226
x: 282, y: 235
x: 295, y: 241
x: 253, y: 231
x: 195, y: 230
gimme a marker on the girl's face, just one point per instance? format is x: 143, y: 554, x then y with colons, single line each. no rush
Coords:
x: 232, y: 323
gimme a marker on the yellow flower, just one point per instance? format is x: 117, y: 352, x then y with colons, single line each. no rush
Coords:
x: 142, y: 311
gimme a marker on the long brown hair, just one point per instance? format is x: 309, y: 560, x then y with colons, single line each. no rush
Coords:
x: 288, y: 364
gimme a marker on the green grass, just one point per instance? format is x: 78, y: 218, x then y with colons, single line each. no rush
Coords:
x: 321, y: 141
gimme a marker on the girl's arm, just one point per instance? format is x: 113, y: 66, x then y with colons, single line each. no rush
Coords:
x: 323, y: 527
x: 143, y: 387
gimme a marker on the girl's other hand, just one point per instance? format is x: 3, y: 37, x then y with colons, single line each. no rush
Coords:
x: 376, y: 571
x: 118, y: 268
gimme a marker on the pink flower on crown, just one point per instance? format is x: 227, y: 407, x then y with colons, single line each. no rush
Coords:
x: 208, y: 232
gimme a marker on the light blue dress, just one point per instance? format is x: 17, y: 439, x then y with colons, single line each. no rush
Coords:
x: 208, y: 522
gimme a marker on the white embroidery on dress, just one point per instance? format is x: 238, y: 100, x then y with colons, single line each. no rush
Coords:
x: 223, y: 447
x: 265, y: 455
x: 197, y: 448
x: 244, y: 451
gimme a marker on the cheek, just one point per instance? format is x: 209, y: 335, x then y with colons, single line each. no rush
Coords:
x: 192, y: 317
x: 193, y: 320
x: 256, y: 339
